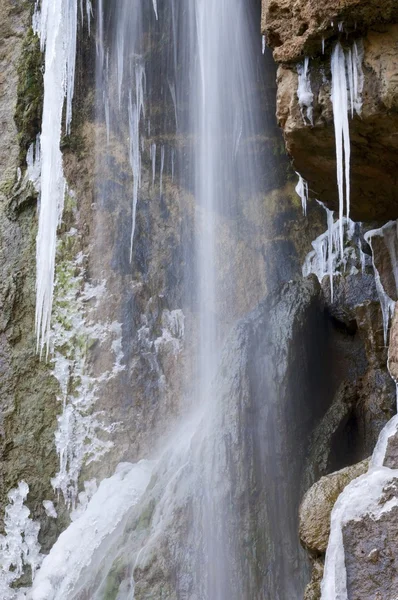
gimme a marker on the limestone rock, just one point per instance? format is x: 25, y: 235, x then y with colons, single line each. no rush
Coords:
x: 300, y: 28
x: 371, y: 550
x: 317, y: 505
x: 313, y: 589
x: 295, y: 28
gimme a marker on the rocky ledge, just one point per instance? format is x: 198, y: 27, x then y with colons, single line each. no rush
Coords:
x: 308, y: 28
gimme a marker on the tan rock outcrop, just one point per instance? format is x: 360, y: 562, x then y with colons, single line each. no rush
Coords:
x: 294, y: 28
x: 317, y: 505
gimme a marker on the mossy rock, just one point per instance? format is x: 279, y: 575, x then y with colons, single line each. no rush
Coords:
x: 29, y: 108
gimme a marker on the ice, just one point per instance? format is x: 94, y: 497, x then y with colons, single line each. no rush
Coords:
x: 155, y: 8
x: 76, y: 547
x: 173, y: 329
x: 81, y: 435
x: 361, y: 497
x: 302, y: 191
x: 386, y: 303
x: 161, y: 169
x: 50, y: 509
x: 56, y: 25
x: 347, y: 84
x: 341, y: 130
x: 304, y: 93
x: 136, y: 110
x: 19, y: 546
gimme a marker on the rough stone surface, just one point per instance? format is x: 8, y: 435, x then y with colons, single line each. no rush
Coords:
x: 295, y: 28
x: 371, y: 554
x: 317, y: 505
x: 313, y: 589
x: 27, y: 390
x: 374, y: 148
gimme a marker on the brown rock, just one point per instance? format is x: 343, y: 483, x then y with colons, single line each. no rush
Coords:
x: 374, y: 145
x: 295, y: 28
x: 318, y: 503
x: 371, y: 550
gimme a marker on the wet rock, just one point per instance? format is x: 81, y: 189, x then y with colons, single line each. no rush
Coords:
x: 317, y: 505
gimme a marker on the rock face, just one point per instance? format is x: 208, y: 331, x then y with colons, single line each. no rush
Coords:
x: 317, y: 505
x: 27, y: 390
x: 370, y: 556
x: 374, y: 151
x: 295, y: 29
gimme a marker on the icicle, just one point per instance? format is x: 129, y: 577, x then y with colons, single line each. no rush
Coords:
x: 153, y: 160
x: 136, y: 110
x: 346, y: 74
x: 19, y: 547
x: 89, y: 12
x: 323, y: 45
x: 302, y: 192
x: 330, y: 223
x: 304, y: 93
x: 56, y: 26
x: 161, y: 169
x: 263, y: 44
x: 342, y: 134
x: 155, y: 8
x: 387, y: 305
x: 357, y: 60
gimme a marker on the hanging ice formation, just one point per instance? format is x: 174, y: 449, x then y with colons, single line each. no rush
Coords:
x: 302, y: 192
x: 126, y: 58
x: 347, y: 85
x: 304, y: 92
x: 19, y: 546
x: 55, y: 22
x: 389, y: 233
x: 81, y: 436
x: 326, y: 259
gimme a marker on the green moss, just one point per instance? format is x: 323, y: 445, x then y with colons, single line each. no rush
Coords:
x: 115, y: 577
x: 28, y: 112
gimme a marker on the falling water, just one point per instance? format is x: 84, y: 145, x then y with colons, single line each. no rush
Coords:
x: 180, y: 112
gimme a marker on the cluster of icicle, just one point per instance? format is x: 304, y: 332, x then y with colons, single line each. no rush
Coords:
x: 136, y: 85
x: 19, y: 546
x: 326, y: 258
x: 55, y: 22
x: 78, y: 436
x: 346, y: 96
x: 389, y: 233
x: 347, y: 85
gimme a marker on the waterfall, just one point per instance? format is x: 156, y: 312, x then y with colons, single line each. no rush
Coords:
x: 175, y: 229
